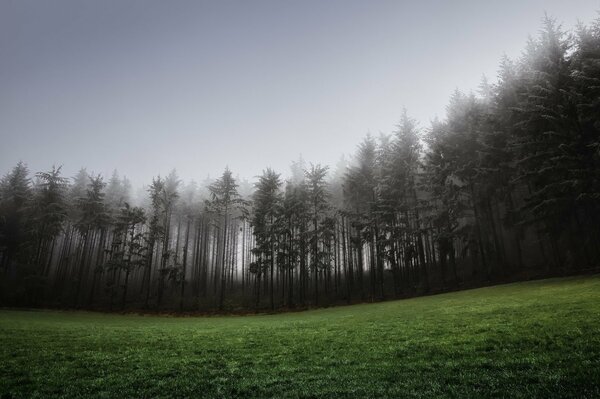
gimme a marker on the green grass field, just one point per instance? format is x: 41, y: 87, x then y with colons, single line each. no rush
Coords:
x: 533, y: 339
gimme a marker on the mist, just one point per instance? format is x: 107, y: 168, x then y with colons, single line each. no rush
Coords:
x: 146, y: 87
x: 299, y: 199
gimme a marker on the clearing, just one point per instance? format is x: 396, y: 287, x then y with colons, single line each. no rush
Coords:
x: 532, y: 339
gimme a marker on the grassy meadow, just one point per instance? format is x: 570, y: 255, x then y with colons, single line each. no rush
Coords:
x: 533, y: 339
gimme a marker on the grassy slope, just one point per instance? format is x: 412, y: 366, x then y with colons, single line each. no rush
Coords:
x: 534, y: 339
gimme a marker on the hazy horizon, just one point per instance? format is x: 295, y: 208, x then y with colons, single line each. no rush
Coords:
x: 145, y: 87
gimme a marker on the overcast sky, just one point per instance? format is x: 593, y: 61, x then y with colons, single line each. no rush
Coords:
x: 147, y: 86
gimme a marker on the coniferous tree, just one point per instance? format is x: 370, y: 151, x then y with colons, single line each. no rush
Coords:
x: 548, y: 136
x: 93, y: 221
x: 266, y: 212
x: 15, y: 193
x: 224, y: 202
x: 48, y: 212
x: 318, y: 206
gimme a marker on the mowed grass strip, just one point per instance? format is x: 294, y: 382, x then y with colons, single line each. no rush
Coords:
x: 534, y: 339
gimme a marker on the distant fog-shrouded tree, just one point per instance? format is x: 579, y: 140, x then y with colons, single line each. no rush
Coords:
x: 547, y: 134
x: 318, y: 208
x: 362, y: 189
x: 342, y: 274
x: 586, y: 95
x: 15, y: 194
x: 296, y: 212
x: 117, y: 193
x: 444, y: 204
x: 463, y: 153
x: 188, y: 213
x: 15, y: 235
x: 64, y: 273
x: 292, y: 239
x: 496, y: 166
x: 130, y: 250
x: 91, y: 225
x: 267, y: 203
x: 224, y: 202
x: 164, y: 201
x: 48, y: 212
x: 553, y: 146
x: 400, y: 207
x: 154, y: 234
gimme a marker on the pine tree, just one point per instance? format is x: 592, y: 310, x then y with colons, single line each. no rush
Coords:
x: 47, y: 213
x: 224, y: 202
x: 548, y: 144
x: 266, y: 212
x: 318, y: 207
x: 15, y: 194
x: 362, y: 187
x: 586, y: 95
x: 93, y: 221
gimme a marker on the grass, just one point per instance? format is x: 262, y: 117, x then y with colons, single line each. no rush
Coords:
x: 533, y: 339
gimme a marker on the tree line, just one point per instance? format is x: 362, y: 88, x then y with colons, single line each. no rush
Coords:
x: 506, y: 187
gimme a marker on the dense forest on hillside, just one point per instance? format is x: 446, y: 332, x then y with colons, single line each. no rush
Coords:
x: 506, y: 187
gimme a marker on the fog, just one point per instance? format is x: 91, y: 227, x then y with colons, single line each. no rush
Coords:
x: 148, y: 86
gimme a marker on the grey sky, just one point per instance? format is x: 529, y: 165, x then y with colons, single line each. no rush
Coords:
x: 147, y: 86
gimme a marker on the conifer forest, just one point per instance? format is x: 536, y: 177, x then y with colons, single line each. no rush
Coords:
x: 505, y: 188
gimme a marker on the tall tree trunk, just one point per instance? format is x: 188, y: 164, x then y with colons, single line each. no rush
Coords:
x: 223, y: 277
x: 184, y: 265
